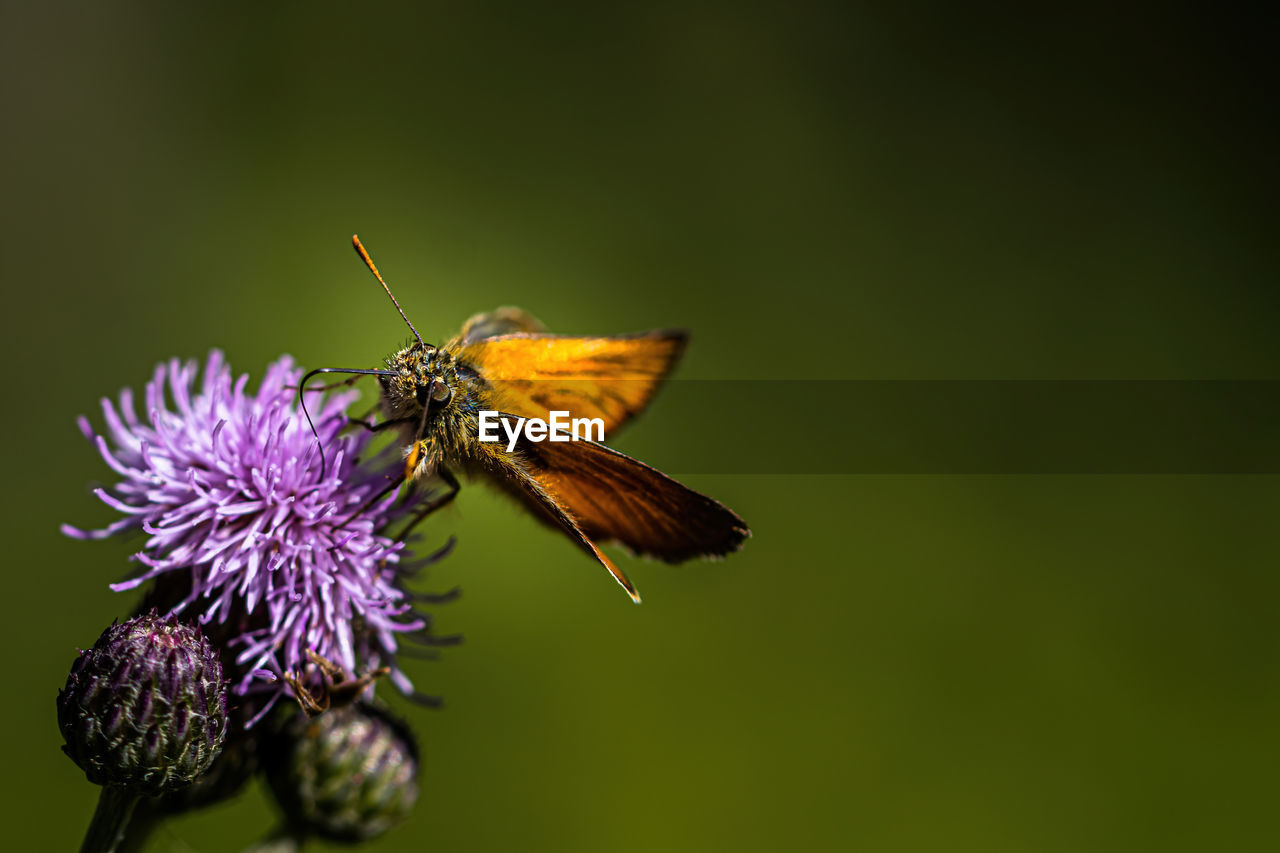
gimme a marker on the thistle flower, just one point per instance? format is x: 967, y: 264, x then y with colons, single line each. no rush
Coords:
x: 273, y: 559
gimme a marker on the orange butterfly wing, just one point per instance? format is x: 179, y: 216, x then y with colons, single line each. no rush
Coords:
x: 611, y: 378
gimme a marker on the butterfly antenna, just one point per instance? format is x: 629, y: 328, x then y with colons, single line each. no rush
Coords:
x: 368, y: 261
x: 302, y: 400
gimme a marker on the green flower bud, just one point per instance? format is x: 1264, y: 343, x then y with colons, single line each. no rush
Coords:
x: 349, y: 774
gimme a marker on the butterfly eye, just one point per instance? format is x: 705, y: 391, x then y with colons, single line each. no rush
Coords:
x: 440, y: 392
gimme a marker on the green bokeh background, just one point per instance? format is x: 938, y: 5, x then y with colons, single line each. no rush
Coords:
x: 843, y: 191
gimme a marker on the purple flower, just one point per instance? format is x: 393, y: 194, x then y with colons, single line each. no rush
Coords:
x: 226, y: 485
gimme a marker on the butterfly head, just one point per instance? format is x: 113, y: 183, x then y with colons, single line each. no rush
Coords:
x: 421, y: 379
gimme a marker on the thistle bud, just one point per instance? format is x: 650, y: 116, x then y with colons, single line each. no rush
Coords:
x: 349, y: 774
x: 145, y: 709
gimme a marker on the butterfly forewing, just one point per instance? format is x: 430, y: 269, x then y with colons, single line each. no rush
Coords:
x: 612, y: 378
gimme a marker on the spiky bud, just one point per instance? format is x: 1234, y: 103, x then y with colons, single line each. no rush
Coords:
x: 349, y: 774
x: 145, y: 709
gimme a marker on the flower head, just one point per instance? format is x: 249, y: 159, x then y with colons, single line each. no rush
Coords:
x: 145, y: 708
x: 226, y: 484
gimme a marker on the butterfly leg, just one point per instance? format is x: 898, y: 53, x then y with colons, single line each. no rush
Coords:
x: 435, y: 503
x: 371, y: 427
x: 382, y: 493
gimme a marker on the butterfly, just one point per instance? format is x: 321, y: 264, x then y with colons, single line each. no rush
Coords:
x: 505, y: 363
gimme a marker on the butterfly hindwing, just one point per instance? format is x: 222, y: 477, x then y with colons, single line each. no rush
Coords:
x: 518, y: 480
x: 501, y: 321
x: 612, y: 497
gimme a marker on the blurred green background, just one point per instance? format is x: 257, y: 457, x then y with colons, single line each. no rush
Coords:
x: 817, y: 191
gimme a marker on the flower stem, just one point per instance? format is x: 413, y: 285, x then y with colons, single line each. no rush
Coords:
x: 146, y: 817
x: 115, y: 805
